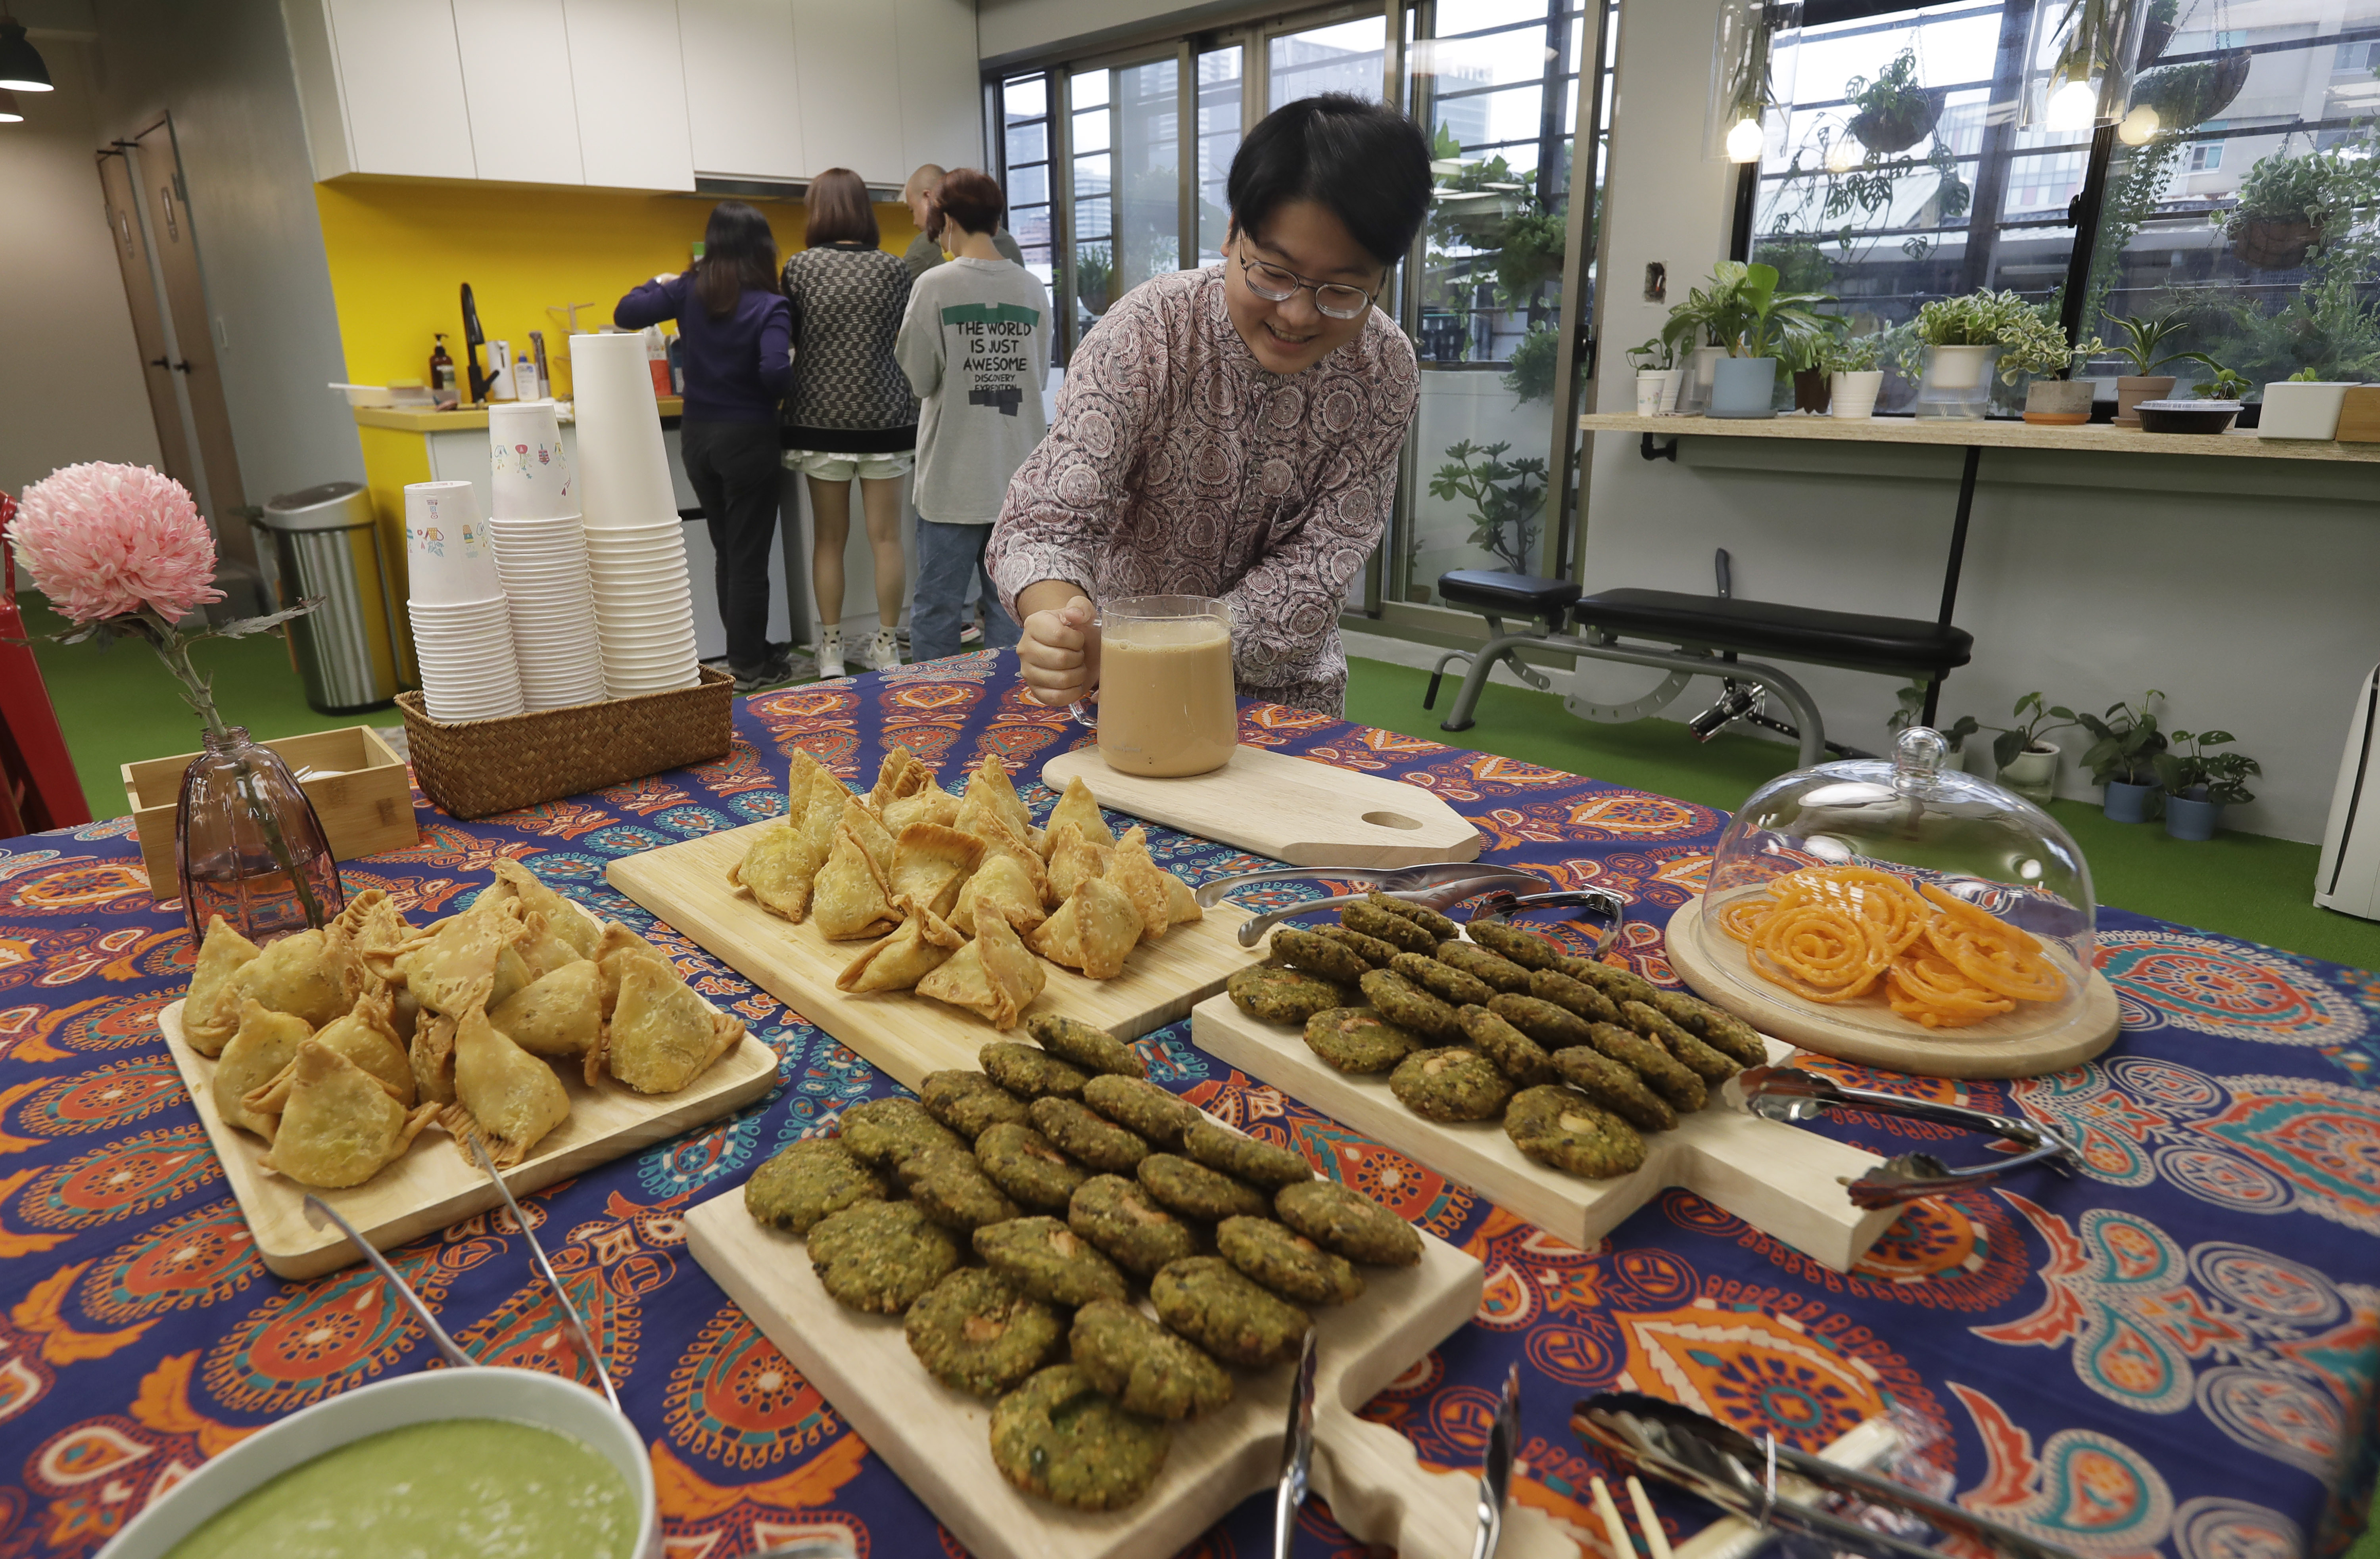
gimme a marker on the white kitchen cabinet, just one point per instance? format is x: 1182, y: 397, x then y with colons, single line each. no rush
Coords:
x: 382, y: 88
x: 743, y: 95
x: 630, y: 90
x: 516, y: 77
x: 849, y: 72
x: 941, y: 83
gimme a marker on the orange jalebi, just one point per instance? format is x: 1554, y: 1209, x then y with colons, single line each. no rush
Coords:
x: 1830, y: 933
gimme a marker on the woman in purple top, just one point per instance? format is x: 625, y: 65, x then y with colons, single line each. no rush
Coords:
x: 736, y: 332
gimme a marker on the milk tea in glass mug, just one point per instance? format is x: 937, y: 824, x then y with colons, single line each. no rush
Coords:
x: 1167, y: 705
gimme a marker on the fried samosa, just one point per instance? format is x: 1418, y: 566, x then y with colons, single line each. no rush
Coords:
x: 1001, y: 837
x: 211, y: 1012
x: 990, y: 788
x: 1074, y: 860
x: 1078, y: 808
x: 777, y: 871
x: 542, y: 950
x: 1000, y: 887
x: 559, y: 1015
x: 314, y: 976
x: 517, y: 884
x: 873, y: 835
x: 620, y: 948
x: 931, y: 864
x: 1092, y: 931
x: 509, y: 1096
x: 377, y: 930
x: 367, y: 1037
x: 337, y: 1124
x: 663, y: 1035
x: 995, y: 975
x: 900, y: 774
x: 463, y: 952
x: 802, y: 769
x: 1144, y: 882
x: 922, y: 945
x: 853, y: 897
x: 932, y: 805
x: 266, y: 1042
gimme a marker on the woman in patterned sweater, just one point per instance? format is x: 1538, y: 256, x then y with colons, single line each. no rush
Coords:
x: 1234, y: 431
x: 850, y: 412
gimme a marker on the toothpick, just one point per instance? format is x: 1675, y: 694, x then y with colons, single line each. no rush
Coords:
x: 1656, y: 1541
x: 1613, y: 1528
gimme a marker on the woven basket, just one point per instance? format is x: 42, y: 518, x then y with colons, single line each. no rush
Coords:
x: 477, y: 767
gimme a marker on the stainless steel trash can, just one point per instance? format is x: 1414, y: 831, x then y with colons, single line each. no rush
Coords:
x: 326, y: 543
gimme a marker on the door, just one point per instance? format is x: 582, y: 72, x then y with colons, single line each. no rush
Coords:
x: 175, y: 242
x: 147, y: 320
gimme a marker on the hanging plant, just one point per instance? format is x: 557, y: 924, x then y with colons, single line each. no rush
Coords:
x: 2187, y: 95
x: 1895, y: 113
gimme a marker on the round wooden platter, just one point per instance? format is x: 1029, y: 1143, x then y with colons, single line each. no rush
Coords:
x: 1714, y: 964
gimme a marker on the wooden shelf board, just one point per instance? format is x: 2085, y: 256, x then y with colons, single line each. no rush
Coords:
x: 408, y: 420
x: 2097, y: 438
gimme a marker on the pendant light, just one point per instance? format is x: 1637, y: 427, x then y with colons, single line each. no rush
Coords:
x: 2083, y: 56
x: 1752, y: 76
x: 9, y: 112
x: 20, y: 64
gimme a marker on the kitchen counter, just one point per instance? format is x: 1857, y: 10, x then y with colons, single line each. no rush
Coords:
x: 406, y: 419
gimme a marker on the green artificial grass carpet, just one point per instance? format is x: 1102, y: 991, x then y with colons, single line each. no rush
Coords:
x: 2240, y: 884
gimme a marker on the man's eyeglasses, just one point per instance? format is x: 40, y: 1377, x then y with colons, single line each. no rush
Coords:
x: 1275, y: 286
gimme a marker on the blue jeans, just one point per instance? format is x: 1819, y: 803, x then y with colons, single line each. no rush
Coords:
x: 948, y: 557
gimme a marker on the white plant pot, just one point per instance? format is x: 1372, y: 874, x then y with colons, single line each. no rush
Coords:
x: 2299, y: 410
x: 1960, y: 367
x: 1695, y: 378
x: 1852, y: 394
x: 1656, y: 391
x: 2033, y: 773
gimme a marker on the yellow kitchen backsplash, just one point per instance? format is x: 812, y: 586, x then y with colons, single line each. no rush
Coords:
x: 400, y: 250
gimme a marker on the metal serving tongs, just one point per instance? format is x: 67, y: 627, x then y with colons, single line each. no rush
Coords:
x: 1502, y: 905
x: 1774, y: 1486
x: 1496, y: 1475
x: 1297, y: 1455
x: 1438, y: 884
x: 1790, y: 1095
x: 577, y: 1322
x: 319, y: 1212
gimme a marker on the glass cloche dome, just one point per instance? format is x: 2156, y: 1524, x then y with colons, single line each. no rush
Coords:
x: 1900, y: 898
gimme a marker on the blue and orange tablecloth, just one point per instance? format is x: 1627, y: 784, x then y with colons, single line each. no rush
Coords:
x: 2172, y: 1354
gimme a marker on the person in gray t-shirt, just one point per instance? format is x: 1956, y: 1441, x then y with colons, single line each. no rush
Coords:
x: 975, y: 347
x: 925, y: 250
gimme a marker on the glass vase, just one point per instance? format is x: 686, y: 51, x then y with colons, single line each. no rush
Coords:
x: 248, y: 845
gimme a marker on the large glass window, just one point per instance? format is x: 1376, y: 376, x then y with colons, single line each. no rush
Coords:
x: 1219, y: 140
x: 1124, y: 125
x: 1337, y: 57
x: 1025, y: 153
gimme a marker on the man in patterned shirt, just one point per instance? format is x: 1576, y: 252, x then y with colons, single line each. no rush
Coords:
x: 1234, y: 431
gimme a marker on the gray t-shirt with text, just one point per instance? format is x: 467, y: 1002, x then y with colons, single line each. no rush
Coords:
x: 975, y: 347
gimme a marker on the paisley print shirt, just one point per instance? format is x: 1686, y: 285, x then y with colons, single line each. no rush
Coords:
x: 1177, y: 466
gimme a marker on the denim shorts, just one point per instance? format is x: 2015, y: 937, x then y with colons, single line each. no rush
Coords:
x: 831, y: 467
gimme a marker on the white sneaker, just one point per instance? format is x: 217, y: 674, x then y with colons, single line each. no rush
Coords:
x: 830, y: 654
x: 887, y: 649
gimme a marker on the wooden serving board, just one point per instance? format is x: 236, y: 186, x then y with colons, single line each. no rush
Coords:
x: 436, y: 1184
x: 899, y: 1032
x: 2013, y: 1045
x: 939, y: 1442
x: 1285, y: 808
x: 1784, y: 1181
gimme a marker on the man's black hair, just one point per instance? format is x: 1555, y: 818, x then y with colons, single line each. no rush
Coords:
x: 1366, y: 163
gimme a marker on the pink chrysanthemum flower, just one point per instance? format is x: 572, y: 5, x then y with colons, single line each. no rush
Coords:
x: 102, y: 539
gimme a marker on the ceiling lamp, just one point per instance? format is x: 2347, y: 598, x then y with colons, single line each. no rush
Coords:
x: 2140, y: 127
x: 2074, y: 106
x: 9, y: 112
x: 20, y: 64
x: 1744, y: 142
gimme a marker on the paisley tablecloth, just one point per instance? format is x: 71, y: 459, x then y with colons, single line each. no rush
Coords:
x: 2172, y: 1353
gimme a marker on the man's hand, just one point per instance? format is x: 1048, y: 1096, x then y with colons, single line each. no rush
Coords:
x: 1060, y: 652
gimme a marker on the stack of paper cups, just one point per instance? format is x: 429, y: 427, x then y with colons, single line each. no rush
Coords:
x: 644, y: 612
x: 542, y: 556
x: 462, y: 626
x: 636, y: 550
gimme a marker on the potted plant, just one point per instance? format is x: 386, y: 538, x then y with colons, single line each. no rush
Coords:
x: 2157, y: 32
x: 2122, y: 755
x: 2028, y: 760
x: 2034, y: 344
x: 2199, y: 784
x: 1894, y: 111
x: 2303, y: 407
x: 1853, y: 376
x: 1961, y: 337
x: 2288, y: 206
x: 1804, y: 358
x: 1692, y: 335
x: 2221, y: 383
x: 1743, y: 313
x: 1657, y: 377
x: 2141, y: 352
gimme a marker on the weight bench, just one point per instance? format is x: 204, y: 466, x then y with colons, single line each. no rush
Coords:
x: 1692, y: 635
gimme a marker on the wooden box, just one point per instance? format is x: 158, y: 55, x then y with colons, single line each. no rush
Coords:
x: 2358, y: 415
x: 363, y: 795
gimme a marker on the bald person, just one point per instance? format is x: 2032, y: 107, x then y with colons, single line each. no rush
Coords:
x: 924, y: 251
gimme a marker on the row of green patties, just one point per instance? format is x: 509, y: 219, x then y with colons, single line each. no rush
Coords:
x: 1069, y: 1176
x: 1577, y: 1057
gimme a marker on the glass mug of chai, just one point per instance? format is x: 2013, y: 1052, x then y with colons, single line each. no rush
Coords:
x: 1167, y: 705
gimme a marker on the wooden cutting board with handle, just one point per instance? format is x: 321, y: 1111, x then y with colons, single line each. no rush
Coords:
x: 1285, y: 809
